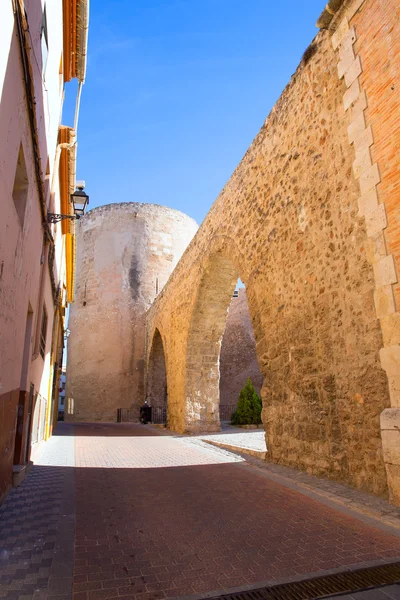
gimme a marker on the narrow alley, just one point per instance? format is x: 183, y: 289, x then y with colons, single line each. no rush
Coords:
x: 200, y: 308
x: 113, y: 511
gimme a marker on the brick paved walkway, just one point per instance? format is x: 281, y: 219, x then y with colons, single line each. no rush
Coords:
x: 162, y: 516
x: 37, y: 536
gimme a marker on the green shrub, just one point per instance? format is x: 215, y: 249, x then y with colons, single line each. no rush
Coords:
x: 248, y: 411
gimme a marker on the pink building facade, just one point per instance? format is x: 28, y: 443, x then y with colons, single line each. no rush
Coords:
x: 36, y: 177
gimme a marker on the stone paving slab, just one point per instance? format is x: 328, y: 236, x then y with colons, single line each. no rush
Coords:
x: 58, y: 451
x: 164, y: 516
x: 37, y: 529
x: 174, y: 532
x: 169, y: 532
x: 246, y: 440
x: 332, y: 492
x: 146, y: 453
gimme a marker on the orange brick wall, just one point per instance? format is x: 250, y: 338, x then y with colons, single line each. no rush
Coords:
x: 379, y: 21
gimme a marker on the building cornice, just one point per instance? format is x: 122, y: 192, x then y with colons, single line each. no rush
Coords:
x: 328, y: 13
x: 75, y: 33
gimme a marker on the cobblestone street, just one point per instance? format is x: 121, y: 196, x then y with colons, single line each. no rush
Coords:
x: 123, y: 511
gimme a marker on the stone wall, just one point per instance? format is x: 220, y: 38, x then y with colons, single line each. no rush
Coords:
x: 238, y: 360
x: 125, y: 254
x: 288, y: 224
x: 367, y: 42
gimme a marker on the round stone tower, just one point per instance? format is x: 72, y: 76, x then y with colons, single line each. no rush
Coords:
x: 125, y: 254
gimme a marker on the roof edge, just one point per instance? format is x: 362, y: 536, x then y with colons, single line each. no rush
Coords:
x: 328, y: 13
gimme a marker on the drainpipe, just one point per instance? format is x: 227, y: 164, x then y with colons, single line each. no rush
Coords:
x: 77, y: 105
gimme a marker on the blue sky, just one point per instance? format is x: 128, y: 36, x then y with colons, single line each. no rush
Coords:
x: 176, y: 90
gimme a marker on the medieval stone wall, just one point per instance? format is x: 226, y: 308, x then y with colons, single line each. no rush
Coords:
x: 288, y: 223
x: 367, y: 42
x: 238, y: 360
x: 125, y: 254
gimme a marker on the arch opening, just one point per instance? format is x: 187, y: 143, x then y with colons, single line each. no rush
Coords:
x: 205, y: 340
x: 157, y: 389
x: 238, y: 358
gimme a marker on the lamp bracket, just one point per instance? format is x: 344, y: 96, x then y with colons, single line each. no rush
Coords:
x: 55, y: 218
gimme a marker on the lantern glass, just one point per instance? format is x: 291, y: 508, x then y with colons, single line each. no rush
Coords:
x: 79, y: 200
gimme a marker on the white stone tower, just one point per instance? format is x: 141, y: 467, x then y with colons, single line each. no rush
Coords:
x: 125, y: 255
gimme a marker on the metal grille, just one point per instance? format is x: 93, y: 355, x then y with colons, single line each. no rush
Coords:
x: 128, y: 415
x: 225, y: 411
x: 159, y: 415
x: 320, y: 587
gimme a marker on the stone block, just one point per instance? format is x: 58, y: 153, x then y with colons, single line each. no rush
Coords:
x: 369, y: 179
x: 390, y: 419
x: 391, y: 446
x: 390, y: 434
x: 351, y: 95
x: 390, y: 359
x: 19, y: 474
x: 384, y: 301
x: 362, y: 162
x: 353, y: 71
x: 346, y: 47
x: 364, y: 139
x: 393, y: 479
x: 356, y: 128
x: 375, y: 248
x: 368, y: 202
x: 376, y: 220
x: 385, y: 271
x: 340, y: 33
x: 358, y: 106
x: 394, y: 389
x: 390, y: 325
x: 347, y: 59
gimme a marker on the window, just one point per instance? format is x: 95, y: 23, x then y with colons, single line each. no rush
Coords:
x: 44, y: 40
x: 43, y: 333
x: 21, y: 184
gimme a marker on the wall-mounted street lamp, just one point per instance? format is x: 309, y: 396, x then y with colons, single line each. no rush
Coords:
x: 79, y: 201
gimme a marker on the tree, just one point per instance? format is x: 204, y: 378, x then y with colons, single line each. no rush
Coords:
x: 248, y: 411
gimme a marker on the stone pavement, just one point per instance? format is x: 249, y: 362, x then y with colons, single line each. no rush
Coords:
x: 37, y: 536
x: 148, y: 516
x: 248, y: 441
x: 389, y: 592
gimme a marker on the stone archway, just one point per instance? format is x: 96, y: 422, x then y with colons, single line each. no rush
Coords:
x: 157, y: 389
x: 238, y: 357
x: 204, y: 341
